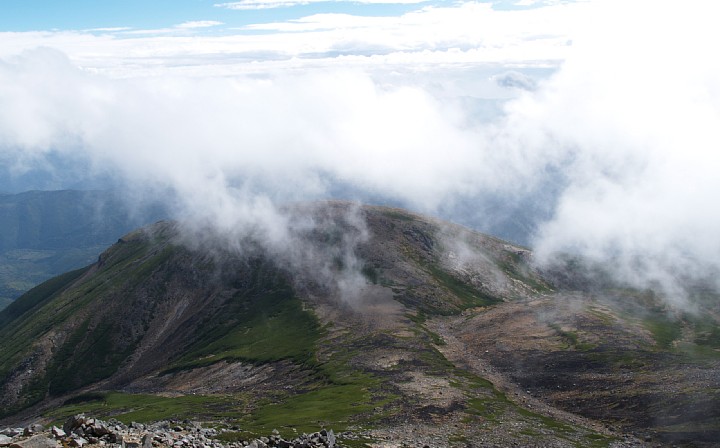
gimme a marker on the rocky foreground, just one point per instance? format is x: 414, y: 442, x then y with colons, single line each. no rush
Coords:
x: 80, y: 431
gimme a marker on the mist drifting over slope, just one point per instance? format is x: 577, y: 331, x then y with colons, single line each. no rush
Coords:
x: 626, y: 129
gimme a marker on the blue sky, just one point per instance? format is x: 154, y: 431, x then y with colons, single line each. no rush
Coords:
x: 31, y: 15
x: 34, y: 15
x: 43, y: 15
x: 212, y: 37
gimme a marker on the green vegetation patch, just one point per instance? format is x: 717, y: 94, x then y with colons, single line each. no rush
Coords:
x: 514, y: 266
x: 664, y: 329
x: 97, y: 345
x: 148, y: 408
x: 419, y: 320
x: 370, y: 274
x: 709, y: 337
x: 707, y: 332
x: 572, y: 339
x: 337, y: 400
x: 470, y: 297
x: 329, y: 406
x: 80, y: 362
x: 259, y: 326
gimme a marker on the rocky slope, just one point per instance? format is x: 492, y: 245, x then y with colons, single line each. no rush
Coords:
x: 80, y: 431
x: 388, y: 327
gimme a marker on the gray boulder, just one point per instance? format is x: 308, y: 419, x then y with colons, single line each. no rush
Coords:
x: 77, y: 441
x: 11, y: 432
x: 38, y: 441
x: 100, y: 429
x: 33, y: 429
x: 73, y: 422
x: 58, y: 433
x: 147, y: 440
x: 131, y: 442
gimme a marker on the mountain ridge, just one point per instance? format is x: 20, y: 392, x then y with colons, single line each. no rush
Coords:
x: 353, y: 335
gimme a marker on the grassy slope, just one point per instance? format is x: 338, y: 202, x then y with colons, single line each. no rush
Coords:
x: 277, y: 328
x: 52, y: 308
x: 263, y: 323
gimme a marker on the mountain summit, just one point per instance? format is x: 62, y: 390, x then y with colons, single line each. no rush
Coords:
x: 398, y: 327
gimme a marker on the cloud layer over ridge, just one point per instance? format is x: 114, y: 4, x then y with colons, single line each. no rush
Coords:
x: 628, y: 129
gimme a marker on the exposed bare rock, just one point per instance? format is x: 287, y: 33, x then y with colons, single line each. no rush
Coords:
x: 37, y: 441
x: 58, y: 433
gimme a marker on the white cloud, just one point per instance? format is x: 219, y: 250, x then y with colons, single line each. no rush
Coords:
x: 184, y: 28
x: 109, y: 29
x: 199, y: 135
x: 199, y: 24
x: 261, y: 4
x: 272, y: 4
x: 631, y: 122
x: 463, y: 34
x: 633, y: 119
x: 542, y: 2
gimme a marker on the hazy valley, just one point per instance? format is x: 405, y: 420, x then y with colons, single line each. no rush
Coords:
x: 47, y: 233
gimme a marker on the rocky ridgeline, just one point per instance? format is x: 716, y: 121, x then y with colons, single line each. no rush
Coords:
x: 80, y: 431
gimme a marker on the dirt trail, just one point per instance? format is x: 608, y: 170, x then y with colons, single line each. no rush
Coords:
x: 462, y: 356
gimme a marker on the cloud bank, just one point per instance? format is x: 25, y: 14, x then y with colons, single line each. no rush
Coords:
x: 199, y: 24
x: 464, y: 35
x: 627, y: 131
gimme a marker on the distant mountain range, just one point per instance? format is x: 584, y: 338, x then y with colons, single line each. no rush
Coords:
x: 398, y: 328
x: 47, y: 233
